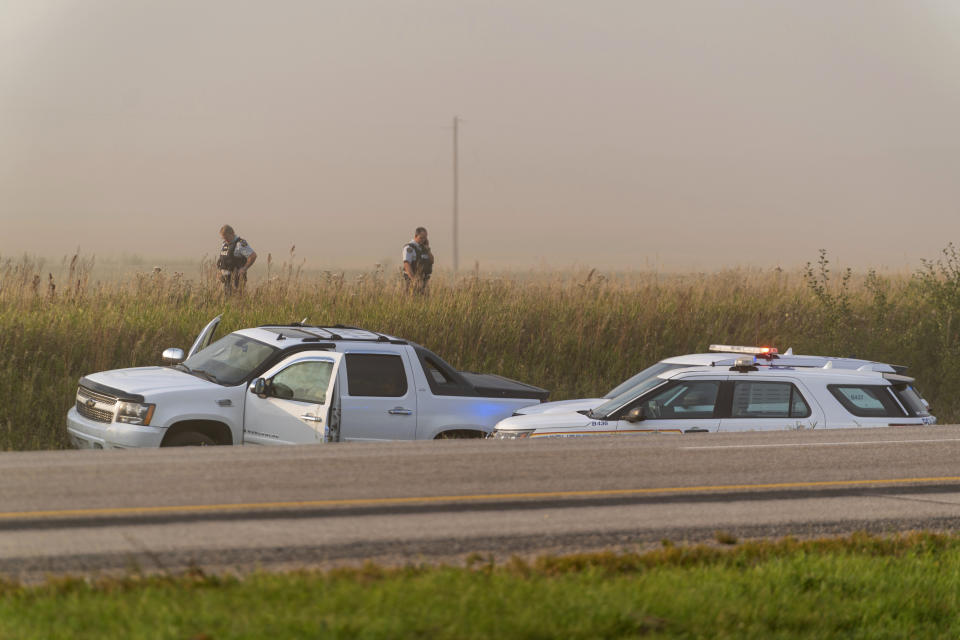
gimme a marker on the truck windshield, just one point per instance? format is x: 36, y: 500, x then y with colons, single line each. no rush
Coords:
x: 229, y: 360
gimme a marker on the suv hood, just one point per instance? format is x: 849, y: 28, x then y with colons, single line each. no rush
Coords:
x: 561, y: 406
x: 549, y: 421
x: 142, y: 381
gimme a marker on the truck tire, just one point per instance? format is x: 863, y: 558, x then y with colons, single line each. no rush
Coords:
x: 189, y: 439
x: 461, y: 434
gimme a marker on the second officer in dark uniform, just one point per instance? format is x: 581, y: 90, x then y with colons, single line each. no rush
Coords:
x: 236, y: 256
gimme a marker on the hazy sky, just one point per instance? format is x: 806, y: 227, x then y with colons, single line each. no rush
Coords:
x: 619, y: 134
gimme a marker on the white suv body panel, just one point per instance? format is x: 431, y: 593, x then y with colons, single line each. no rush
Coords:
x: 825, y: 410
x: 705, y: 360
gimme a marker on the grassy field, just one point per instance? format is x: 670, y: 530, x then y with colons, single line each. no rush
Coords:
x: 858, y: 587
x: 576, y: 334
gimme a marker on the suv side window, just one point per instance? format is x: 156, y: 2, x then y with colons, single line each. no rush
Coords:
x: 303, y: 381
x: 866, y: 401
x: 374, y: 374
x: 768, y: 400
x: 685, y: 400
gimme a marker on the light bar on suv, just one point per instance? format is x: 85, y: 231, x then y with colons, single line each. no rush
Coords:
x: 763, y: 352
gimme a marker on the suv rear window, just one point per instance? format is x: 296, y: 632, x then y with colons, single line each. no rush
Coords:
x: 867, y: 401
x: 371, y: 374
x: 911, y: 400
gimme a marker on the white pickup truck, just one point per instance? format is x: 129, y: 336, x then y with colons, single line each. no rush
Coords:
x: 291, y: 384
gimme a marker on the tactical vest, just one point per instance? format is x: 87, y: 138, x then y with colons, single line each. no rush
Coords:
x: 229, y: 260
x: 422, y: 265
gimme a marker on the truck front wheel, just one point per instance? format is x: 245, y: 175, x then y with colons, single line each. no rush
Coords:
x: 189, y: 439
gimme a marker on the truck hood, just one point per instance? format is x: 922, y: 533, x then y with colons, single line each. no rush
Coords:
x: 137, y: 382
x: 561, y: 406
x: 546, y: 421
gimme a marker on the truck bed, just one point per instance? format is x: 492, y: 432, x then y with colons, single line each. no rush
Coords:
x: 493, y: 386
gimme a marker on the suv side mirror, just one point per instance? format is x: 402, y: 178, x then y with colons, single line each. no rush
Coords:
x: 172, y: 355
x: 635, y: 415
x: 259, y: 387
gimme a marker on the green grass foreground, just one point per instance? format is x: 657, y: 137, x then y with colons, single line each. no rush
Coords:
x: 863, y: 586
x: 577, y: 335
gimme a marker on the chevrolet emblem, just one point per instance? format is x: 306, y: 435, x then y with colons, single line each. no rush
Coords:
x: 91, y: 403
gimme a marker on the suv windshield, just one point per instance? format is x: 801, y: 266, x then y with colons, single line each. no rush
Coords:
x: 228, y: 360
x: 649, y: 372
x: 613, y: 404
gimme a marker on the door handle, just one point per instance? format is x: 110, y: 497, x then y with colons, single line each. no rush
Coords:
x: 311, y: 418
x: 399, y: 411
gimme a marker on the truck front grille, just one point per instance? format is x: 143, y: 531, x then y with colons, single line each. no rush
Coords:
x: 94, y: 405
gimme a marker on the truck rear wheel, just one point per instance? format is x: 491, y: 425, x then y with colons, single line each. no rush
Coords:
x: 189, y: 439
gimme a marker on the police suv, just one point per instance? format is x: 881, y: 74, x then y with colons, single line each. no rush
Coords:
x: 747, y: 395
x: 291, y: 384
x: 720, y: 354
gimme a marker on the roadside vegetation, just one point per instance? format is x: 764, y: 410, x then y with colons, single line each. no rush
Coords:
x: 905, y: 586
x: 576, y: 334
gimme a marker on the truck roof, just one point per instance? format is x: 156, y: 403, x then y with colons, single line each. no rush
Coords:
x: 301, y: 333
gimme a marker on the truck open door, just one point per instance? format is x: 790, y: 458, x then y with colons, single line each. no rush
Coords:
x: 203, y: 340
x: 291, y: 403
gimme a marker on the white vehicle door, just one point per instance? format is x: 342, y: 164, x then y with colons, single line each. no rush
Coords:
x: 688, y: 405
x: 772, y: 404
x: 294, y: 404
x: 203, y: 340
x: 379, y: 398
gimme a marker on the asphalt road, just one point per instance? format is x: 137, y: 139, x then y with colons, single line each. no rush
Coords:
x: 244, y: 508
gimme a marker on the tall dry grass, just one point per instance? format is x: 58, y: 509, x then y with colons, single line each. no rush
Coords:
x: 577, y: 334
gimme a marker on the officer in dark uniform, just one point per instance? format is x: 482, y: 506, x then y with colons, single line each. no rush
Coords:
x: 417, y: 262
x: 236, y: 256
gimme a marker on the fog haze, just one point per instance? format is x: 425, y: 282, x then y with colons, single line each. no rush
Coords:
x: 636, y: 134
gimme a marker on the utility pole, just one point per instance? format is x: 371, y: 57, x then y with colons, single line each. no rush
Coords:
x: 456, y: 189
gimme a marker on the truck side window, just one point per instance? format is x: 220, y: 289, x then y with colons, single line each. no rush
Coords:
x: 303, y: 381
x: 433, y: 371
x: 441, y: 376
x: 374, y: 374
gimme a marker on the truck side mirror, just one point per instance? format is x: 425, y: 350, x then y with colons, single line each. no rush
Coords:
x: 635, y: 415
x: 259, y: 387
x: 172, y: 355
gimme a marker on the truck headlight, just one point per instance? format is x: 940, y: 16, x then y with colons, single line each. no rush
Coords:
x: 511, y: 435
x: 135, y: 413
